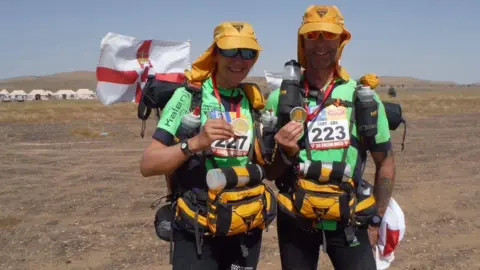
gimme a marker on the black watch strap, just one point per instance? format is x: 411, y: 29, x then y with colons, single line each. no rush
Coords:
x: 184, y: 148
x: 376, y: 221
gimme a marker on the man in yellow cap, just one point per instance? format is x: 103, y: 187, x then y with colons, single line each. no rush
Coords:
x: 323, y: 200
x: 214, y: 229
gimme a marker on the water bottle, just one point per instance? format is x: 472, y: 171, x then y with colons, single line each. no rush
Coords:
x: 292, y: 71
x: 366, y: 111
x: 190, y: 124
x: 268, y: 119
x: 365, y: 189
x: 218, y: 179
x: 365, y: 93
x: 269, y: 122
x: 290, y: 91
x: 303, y: 169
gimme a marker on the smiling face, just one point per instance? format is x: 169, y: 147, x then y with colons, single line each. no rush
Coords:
x: 320, y: 49
x: 233, y: 65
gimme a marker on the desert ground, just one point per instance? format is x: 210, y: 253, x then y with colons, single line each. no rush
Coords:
x: 73, y: 198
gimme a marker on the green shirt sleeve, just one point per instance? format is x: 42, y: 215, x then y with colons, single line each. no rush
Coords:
x: 176, y: 108
x: 272, y: 101
x: 382, y: 142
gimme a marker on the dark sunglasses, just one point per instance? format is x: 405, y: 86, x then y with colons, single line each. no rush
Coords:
x: 246, y: 54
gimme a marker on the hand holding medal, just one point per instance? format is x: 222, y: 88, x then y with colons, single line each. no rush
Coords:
x: 287, y: 137
x: 298, y: 114
x: 240, y: 126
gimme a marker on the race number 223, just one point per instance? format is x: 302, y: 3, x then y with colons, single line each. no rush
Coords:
x: 329, y: 134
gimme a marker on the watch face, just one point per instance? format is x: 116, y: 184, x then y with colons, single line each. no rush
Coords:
x: 183, y: 146
x: 376, y: 220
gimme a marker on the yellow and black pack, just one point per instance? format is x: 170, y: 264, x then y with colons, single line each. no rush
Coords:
x: 236, y: 211
x: 326, y: 192
x: 226, y: 212
x: 233, y: 210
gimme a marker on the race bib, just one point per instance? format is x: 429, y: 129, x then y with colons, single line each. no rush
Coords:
x: 234, y: 147
x: 330, y: 129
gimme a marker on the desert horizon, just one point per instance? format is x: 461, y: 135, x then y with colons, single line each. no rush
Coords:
x: 87, y: 79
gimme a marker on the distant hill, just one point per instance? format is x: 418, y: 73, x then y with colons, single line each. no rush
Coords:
x: 87, y: 79
x: 65, y: 80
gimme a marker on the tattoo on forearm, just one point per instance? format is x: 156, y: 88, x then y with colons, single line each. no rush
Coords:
x: 384, y: 179
x: 383, y: 190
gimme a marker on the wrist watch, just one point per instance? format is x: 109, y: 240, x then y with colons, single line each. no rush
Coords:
x: 185, y: 149
x: 376, y: 221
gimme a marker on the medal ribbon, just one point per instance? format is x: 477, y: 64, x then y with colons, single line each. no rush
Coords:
x: 329, y: 89
x: 232, y: 104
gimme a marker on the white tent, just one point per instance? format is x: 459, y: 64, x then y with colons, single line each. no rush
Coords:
x: 15, y: 93
x: 49, y: 93
x: 37, y: 94
x: 4, y: 92
x: 65, y: 94
x: 4, y: 95
x: 84, y: 93
x: 18, y: 95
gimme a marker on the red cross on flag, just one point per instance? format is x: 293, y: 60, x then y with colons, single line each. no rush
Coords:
x: 391, y: 233
x: 125, y: 62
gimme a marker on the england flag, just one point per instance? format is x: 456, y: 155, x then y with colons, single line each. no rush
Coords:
x: 125, y: 62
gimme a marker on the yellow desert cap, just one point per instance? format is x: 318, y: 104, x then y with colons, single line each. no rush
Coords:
x: 328, y: 19
x: 227, y: 35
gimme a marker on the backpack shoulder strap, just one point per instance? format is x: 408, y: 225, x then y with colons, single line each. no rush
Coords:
x: 254, y: 95
x: 196, y: 92
x: 257, y: 103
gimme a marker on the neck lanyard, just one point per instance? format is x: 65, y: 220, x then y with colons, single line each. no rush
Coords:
x: 329, y: 89
x: 232, y: 104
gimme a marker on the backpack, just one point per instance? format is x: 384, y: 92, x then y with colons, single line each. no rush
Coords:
x: 395, y: 118
x: 155, y: 96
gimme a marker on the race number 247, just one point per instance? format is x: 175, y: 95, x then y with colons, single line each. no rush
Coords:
x: 232, y: 143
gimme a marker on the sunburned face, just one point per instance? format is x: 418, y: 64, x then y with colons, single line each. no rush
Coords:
x: 320, y: 49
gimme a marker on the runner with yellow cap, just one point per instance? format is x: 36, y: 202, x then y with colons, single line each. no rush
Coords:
x: 323, y: 200
x: 215, y: 228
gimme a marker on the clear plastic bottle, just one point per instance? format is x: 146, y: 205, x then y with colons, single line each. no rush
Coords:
x: 303, y: 169
x: 216, y: 179
x: 365, y: 94
x: 192, y: 120
x: 268, y: 119
x: 189, y: 125
x: 292, y: 71
x: 290, y: 92
x: 366, y: 111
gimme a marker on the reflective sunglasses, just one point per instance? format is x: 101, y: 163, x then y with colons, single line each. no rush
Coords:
x: 314, y: 35
x: 246, y: 54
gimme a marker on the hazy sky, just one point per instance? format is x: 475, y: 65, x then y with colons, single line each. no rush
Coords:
x: 429, y: 39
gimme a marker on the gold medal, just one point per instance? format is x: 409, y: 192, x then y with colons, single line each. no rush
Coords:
x: 298, y: 114
x: 240, y: 126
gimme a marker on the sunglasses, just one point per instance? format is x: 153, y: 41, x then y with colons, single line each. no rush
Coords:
x: 314, y: 35
x: 246, y: 54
